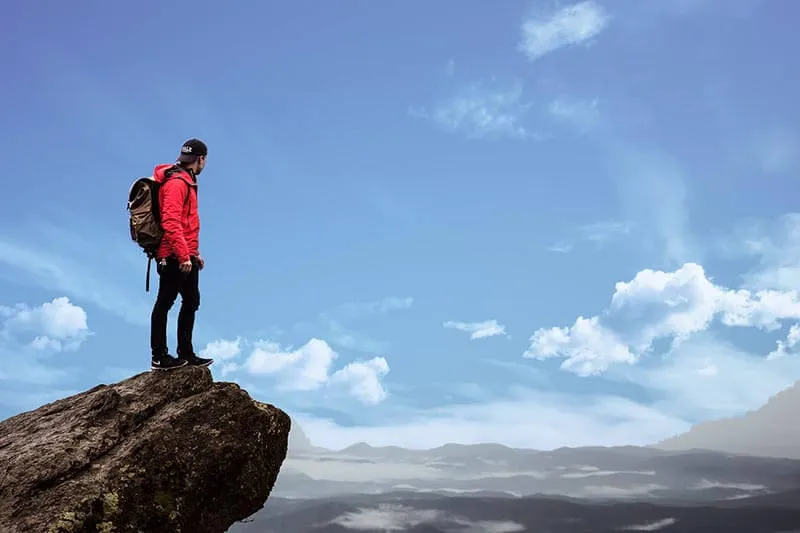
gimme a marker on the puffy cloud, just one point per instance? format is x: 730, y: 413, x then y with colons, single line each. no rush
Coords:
x: 588, y: 347
x: 363, y: 378
x: 307, y: 368
x: 478, y: 330
x: 29, y: 335
x: 786, y: 347
x: 569, y: 26
x: 222, y: 350
x: 659, y: 305
x: 702, y: 378
x: 56, y: 325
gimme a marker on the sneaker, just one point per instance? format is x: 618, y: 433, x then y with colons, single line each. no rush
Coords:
x: 166, y: 362
x: 193, y: 360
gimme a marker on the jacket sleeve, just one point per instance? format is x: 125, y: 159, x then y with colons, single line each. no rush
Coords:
x: 171, y: 197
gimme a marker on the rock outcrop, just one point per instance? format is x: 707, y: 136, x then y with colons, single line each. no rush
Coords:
x: 158, y: 452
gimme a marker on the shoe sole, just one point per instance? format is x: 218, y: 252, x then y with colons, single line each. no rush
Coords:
x: 166, y: 368
x: 200, y: 364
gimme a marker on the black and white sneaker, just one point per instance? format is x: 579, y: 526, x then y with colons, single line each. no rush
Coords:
x: 166, y: 362
x: 193, y: 360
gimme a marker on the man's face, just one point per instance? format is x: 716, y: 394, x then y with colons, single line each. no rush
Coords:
x: 201, y: 164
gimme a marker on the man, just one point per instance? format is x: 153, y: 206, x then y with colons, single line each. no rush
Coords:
x: 178, y: 257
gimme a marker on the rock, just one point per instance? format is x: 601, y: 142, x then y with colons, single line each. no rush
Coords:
x: 166, y: 452
x: 769, y: 431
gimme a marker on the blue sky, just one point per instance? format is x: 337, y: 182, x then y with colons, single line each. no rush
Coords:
x: 534, y: 223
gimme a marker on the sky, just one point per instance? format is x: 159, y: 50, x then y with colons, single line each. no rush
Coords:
x: 535, y: 223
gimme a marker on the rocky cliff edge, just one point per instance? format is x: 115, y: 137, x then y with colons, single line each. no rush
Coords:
x: 158, y: 452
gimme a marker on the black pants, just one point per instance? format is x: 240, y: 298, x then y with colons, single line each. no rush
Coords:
x: 171, y: 282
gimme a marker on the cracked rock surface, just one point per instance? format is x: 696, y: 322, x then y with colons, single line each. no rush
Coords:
x: 158, y: 452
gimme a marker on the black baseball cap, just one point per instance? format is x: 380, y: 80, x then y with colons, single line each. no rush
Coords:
x: 191, y: 149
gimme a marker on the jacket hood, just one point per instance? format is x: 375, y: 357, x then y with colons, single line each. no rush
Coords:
x: 160, y: 170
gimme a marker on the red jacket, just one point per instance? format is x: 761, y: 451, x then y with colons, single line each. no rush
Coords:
x: 177, y: 198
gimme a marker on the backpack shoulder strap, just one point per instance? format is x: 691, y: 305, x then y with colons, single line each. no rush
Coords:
x: 170, y: 173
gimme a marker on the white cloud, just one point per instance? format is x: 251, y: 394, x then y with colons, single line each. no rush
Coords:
x: 29, y: 336
x: 337, y: 324
x: 599, y: 233
x: 222, y: 350
x: 55, y: 325
x: 482, y: 111
x: 363, y: 378
x: 307, y: 368
x: 653, y: 195
x: 354, y: 310
x: 777, y: 246
x: 579, y: 113
x: 656, y: 525
x: 603, y: 232
x: 708, y: 377
x: 569, y: 26
x: 562, y: 419
x: 700, y: 379
x: 786, y: 347
x: 391, y: 517
x: 560, y: 248
x: 658, y: 305
x: 387, y: 518
x: 478, y: 330
x: 588, y: 347
x: 61, y: 258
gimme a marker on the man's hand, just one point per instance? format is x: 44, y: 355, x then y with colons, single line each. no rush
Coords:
x: 186, y: 266
x: 200, y: 263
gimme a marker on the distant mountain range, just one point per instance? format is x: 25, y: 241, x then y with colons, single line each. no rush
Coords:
x: 770, y: 431
x: 733, y: 475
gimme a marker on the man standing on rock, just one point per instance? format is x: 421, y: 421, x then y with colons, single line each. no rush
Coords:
x: 178, y: 256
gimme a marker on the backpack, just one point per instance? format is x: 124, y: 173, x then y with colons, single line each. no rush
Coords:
x: 145, y: 216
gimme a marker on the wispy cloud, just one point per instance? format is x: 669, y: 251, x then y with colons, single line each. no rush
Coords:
x: 63, y: 259
x: 653, y: 194
x: 484, y: 110
x: 478, y: 330
x: 775, y: 246
x: 656, y: 525
x: 561, y: 248
x: 581, y: 114
x: 570, y: 25
x: 401, y: 518
x: 598, y: 233
x: 681, y: 392
x: 356, y: 310
x: 340, y: 324
x: 562, y: 419
x: 450, y: 67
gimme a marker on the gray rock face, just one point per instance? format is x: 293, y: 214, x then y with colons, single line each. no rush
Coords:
x: 769, y: 431
x: 166, y: 452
